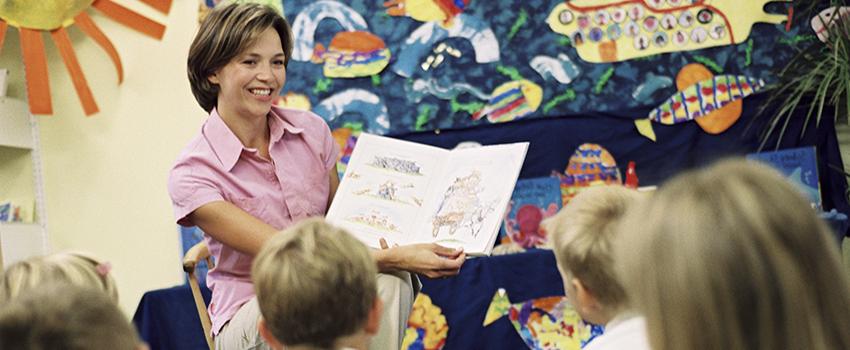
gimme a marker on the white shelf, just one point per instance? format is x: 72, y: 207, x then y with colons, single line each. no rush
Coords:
x: 15, y: 124
x: 19, y: 241
x: 19, y: 130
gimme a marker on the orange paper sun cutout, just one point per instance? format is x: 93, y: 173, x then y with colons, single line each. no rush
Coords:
x: 54, y: 16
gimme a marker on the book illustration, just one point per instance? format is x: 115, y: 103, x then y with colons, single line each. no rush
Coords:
x: 389, y: 190
x: 532, y: 201
x: 543, y: 323
x: 408, y: 167
x: 376, y: 220
x: 461, y: 206
x: 799, y: 165
x: 407, y: 193
x: 354, y: 175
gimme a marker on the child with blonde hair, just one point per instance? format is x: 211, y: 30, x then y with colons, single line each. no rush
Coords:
x: 583, y: 233
x: 733, y: 257
x: 316, y: 289
x: 65, y: 316
x: 70, y: 267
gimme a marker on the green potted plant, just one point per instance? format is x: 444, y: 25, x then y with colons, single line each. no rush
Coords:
x: 817, y: 78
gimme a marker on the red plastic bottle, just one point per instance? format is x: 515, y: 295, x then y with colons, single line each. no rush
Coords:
x: 631, y: 176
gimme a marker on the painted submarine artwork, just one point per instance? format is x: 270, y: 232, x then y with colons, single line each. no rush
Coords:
x: 617, y: 30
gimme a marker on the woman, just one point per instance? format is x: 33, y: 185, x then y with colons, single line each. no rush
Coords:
x: 256, y: 169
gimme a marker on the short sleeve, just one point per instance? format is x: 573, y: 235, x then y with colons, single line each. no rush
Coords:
x: 329, y: 148
x: 189, y: 191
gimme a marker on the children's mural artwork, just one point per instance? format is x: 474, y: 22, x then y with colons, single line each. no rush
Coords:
x: 625, y: 30
x: 590, y: 165
x: 427, y: 328
x: 363, y: 64
x: 543, y: 323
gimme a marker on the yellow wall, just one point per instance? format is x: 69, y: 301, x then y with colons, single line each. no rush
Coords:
x: 105, y: 175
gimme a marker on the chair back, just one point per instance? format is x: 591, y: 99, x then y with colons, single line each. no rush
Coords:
x: 194, y: 255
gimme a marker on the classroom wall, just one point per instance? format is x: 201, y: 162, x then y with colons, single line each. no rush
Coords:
x: 105, y: 175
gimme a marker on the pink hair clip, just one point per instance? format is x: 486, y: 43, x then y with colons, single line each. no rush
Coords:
x: 103, y: 268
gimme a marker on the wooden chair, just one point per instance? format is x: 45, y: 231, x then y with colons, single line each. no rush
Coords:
x: 193, y: 256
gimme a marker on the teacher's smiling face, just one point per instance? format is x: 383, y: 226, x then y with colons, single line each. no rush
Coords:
x: 249, y: 83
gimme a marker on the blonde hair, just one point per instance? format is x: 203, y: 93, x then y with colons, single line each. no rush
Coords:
x: 71, y: 267
x: 732, y: 257
x: 583, y: 233
x: 314, y: 283
x: 225, y: 33
x: 65, y: 316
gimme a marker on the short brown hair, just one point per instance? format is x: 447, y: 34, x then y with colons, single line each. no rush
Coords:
x: 65, y: 316
x: 315, y: 283
x: 226, y: 32
x: 583, y: 233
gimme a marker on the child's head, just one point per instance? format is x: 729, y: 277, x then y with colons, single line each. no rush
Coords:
x: 70, y: 267
x: 226, y: 32
x: 315, y: 284
x: 583, y: 233
x: 65, y: 316
x: 733, y: 257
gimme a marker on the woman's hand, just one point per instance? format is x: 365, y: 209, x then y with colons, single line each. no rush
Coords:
x: 427, y: 259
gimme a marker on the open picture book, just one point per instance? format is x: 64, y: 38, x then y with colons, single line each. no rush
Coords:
x: 407, y: 193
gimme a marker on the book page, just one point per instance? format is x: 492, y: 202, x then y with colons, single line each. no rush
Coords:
x: 466, y: 203
x: 384, y: 187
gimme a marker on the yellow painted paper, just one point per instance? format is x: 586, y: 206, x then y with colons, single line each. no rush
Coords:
x: 41, y: 14
x: 611, y: 31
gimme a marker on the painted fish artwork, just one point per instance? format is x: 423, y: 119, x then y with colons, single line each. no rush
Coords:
x: 427, y: 328
x: 345, y: 139
x: 714, y: 102
x: 543, y: 323
x: 823, y: 21
x: 427, y: 10
x: 402, y: 66
x: 590, y: 165
x: 611, y: 31
x: 352, y: 54
x: 511, y: 100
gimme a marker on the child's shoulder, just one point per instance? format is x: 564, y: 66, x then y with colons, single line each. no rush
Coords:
x: 625, y: 333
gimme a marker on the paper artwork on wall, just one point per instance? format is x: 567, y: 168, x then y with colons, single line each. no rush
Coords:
x: 827, y: 18
x: 543, y: 323
x: 714, y: 102
x: 32, y: 18
x: 611, y: 31
x: 590, y: 165
x: 402, y: 66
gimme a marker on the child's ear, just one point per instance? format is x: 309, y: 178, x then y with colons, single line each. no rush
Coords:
x: 586, y: 299
x: 373, y: 322
x: 267, y: 334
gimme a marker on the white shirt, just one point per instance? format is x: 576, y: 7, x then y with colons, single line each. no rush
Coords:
x: 623, y: 332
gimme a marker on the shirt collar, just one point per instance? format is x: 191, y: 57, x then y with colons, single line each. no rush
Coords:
x: 227, y: 146
x: 278, y: 125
